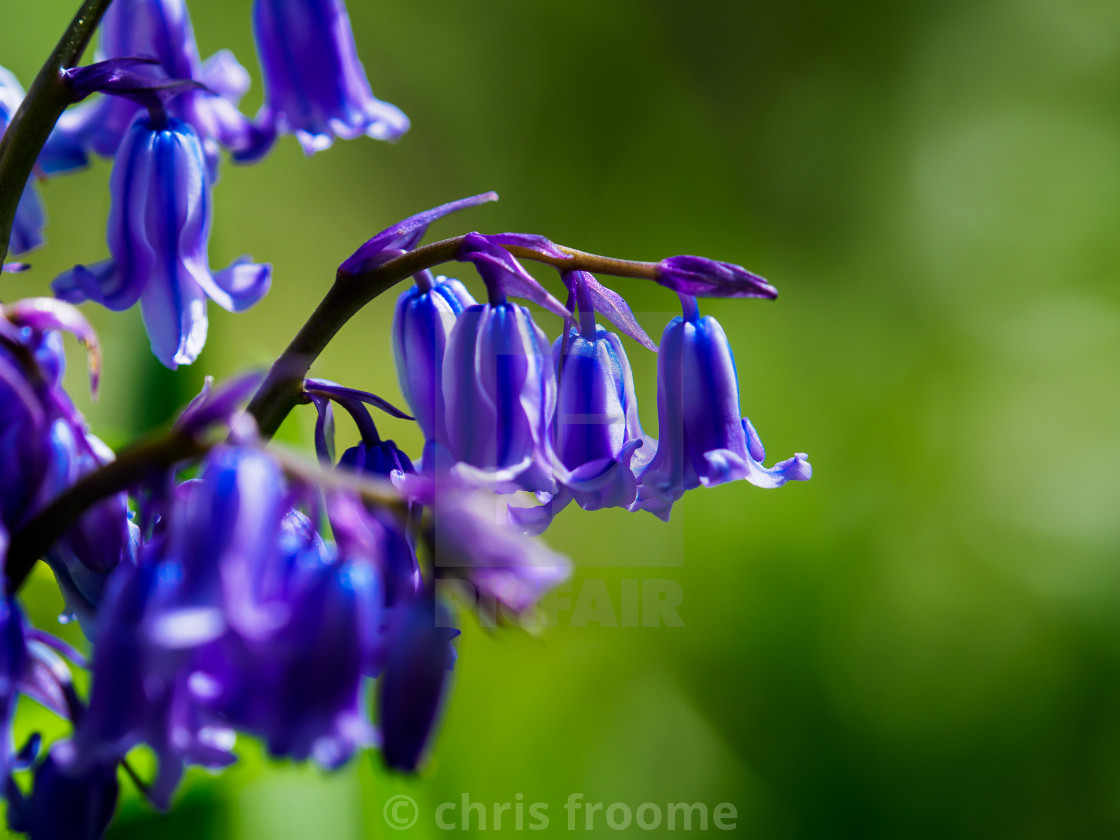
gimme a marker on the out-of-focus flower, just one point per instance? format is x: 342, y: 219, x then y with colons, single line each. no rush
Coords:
x: 315, y: 86
x: 68, y: 802
x: 241, y: 618
x: 46, y: 447
x: 412, y: 687
x: 703, y: 438
x: 159, y: 233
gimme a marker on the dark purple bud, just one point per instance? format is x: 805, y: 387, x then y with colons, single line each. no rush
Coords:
x: 405, y: 235
x: 412, y: 687
x: 702, y: 277
x: 70, y: 801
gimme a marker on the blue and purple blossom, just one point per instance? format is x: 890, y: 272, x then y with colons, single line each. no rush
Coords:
x: 159, y: 233
x: 161, y: 30
x: 703, y: 439
x: 315, y: 86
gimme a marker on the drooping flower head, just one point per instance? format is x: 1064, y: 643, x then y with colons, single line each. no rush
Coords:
x: 315, y: 86
x: 499, y: 383
x: 161, y: 30
x: 703, y: 440
x: 27, y: 228
x: 372, y: 454
x: 598, y: 435
x: 159, y: 233
x: 422, y: 323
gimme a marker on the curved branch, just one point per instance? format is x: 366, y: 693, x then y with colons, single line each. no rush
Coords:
x: 280, y: 392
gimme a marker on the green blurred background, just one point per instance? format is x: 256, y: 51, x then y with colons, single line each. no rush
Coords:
x: 924, y: 640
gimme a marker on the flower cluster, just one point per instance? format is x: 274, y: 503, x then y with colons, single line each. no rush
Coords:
x: 228, y: 588
x: 502, y: 405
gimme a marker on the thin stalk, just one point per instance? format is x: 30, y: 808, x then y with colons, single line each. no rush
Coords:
x: 32, y: 124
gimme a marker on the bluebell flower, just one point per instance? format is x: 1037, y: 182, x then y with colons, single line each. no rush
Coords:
x: 499, y: 389
x: 315, y: 86
x: 159, y: 233
x: 162, y: 30
x: 30, y: 219
x: 422, y: 323
x: 413, y: 686
x: 239, y: 617
x: 472, y: 539
x: 499, y: 383
x: 372, y: 454
x: 703, y: 440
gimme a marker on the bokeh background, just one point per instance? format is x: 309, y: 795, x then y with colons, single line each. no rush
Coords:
x: 924, y: 640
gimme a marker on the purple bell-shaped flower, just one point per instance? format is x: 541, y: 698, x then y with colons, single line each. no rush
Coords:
x: 413, y: 686
x: 422, y: 323
x: 159, y: 233
x: 315, y: 86
x: 703, y: 440
x: 162, y: 30
x: 499, y: 382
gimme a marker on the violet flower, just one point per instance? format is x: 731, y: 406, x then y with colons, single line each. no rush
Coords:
x: 703, y: 439
x: 413, y: 686
x: 499, y: 384
x: 162, y: 30
x: 159, y: 233
x: 315, y: 86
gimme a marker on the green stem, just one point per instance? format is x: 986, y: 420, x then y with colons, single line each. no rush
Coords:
x: 37, y: 115
x: 281, y: 391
